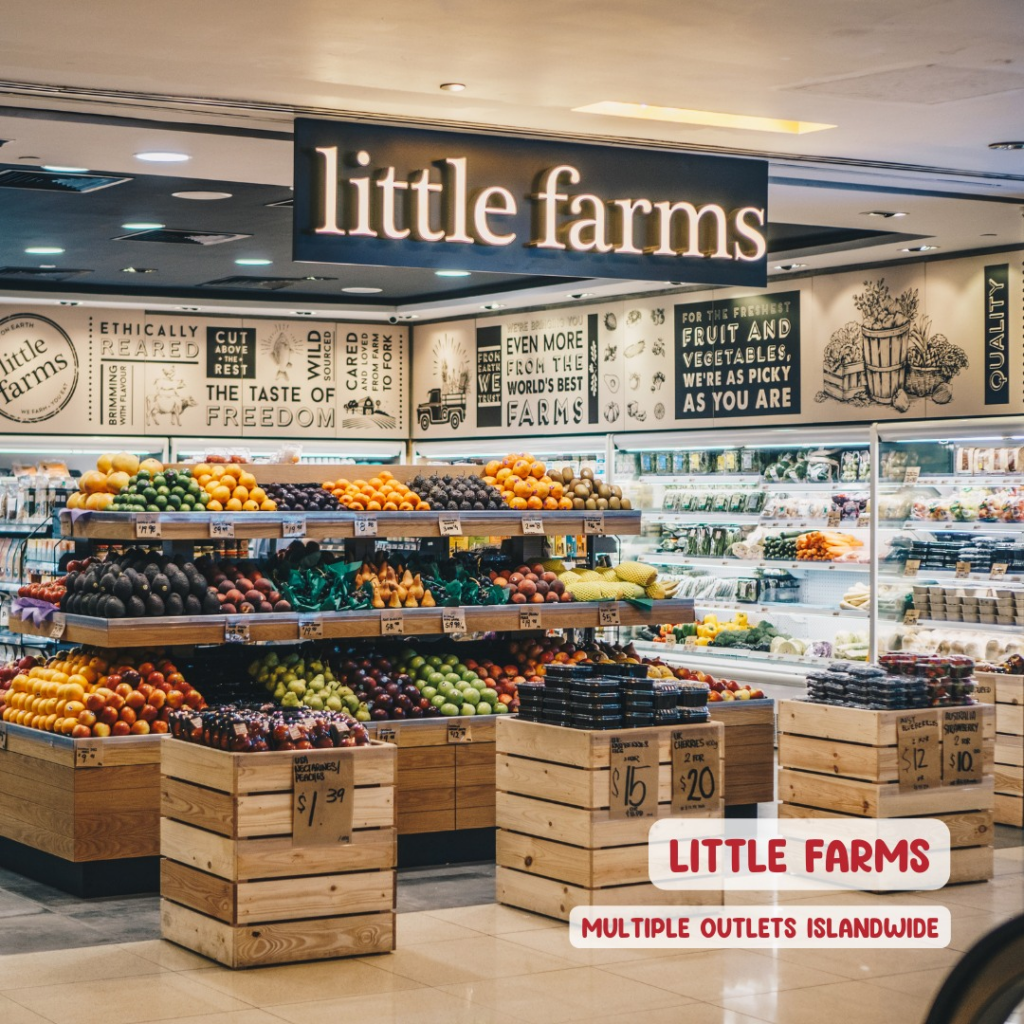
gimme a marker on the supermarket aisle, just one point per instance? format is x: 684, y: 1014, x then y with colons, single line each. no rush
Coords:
x: 492, y: 965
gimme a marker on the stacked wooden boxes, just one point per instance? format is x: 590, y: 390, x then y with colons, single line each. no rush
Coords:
x: 241, y: 886
x: 749, y: 750
x: 838, y: 761
x: 1006, y: 692
x: 559, y: 845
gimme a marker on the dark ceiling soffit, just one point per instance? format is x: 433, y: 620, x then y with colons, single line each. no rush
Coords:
x: 845, y: 245
x: 846, y: 186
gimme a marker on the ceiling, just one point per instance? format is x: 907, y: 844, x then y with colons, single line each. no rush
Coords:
x: 917, y: 90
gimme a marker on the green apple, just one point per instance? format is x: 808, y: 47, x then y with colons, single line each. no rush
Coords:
x: 467, y: 709
x: 417, y: 662
x: 483, y: 708
x: 489, y: 696
x: 449, y: 710
x: 435, y: 661
x: 439, y: 701
x: 455, y: 698
x: 501, y: 709
x: 471, y: 696
x: 428, y: 691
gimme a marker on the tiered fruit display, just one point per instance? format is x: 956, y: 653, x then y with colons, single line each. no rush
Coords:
x: 457, y: 493
x: 525, y: 483
x: 248, y: 731
x: 381, y: 493
x: 52, y: 591
x: 531, y: 584
x: 450, y: 686
x: 161, y: 490
x: 99, y: 693
x: 306, y: 680
x: 721, y: 689
x: 113, y: 473
x: 14, y: 668
x: 231, y: 488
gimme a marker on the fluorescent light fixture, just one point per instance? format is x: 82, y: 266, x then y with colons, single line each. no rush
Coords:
x: 64, y: 170
x: 790, y: 266
x: 138, y: 270
x: 887, y: 214
x: 303, y: 312
x: 581, y: 295
x: 919, y: 248
x: 202, y: 196
x: 1006, y: 145
x: 451, y: 273
x: 44, y: 250
x: 408, y: 316
x: 142, y: 225
x: 708, y: 118
x: 253, y: 262
x: 493, y: 305
x: 160, y: 156
x: 453, y: 87
x: 69, y: 302
x: 188, y: 309
x: 361, y: 290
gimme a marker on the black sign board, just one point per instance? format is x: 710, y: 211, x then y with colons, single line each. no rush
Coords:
x: 738, y: 357
x: 391, y: 196
x: 488, y: 376
x: 231, y: 353
x: 997, y: 338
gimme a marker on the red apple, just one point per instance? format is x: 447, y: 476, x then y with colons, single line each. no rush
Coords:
x: 141, y: 728
x: 108, y: 715
x: 127, y: 715
x: 120, y: 729
x: 124, y: 689
x: 148, y: 713
x: 158, y: 726
x: 175, y: 699
x: 87, y: 718
x: 94, y: 701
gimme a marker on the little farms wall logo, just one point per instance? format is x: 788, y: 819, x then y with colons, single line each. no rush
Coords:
x: 38, y: 368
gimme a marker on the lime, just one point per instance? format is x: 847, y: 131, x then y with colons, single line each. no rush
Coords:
x: 160, y: 501
x: 174, y: 501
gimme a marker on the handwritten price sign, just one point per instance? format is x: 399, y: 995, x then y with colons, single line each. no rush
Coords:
x: 323, y: 788
x: 147, y: 526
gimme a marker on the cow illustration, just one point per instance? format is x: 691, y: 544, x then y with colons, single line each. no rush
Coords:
x: 167, y: 399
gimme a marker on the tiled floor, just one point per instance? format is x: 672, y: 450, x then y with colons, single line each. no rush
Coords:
x: 463, y: 960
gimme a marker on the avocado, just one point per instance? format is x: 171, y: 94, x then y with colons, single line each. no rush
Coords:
x: 112, y: 608
x: 135, y: 607
x: 197, y: 585
x: 193, y: 606
x: 179, y: 582
x: 89, y: 604
x: 211, y: 605
x: 160, y: 584
x: 154, y: 606
x: 151, y: 570
x: 173, y: 605
x: 122, y: 588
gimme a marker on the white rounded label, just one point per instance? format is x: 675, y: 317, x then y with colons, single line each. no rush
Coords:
x: 38, y: 368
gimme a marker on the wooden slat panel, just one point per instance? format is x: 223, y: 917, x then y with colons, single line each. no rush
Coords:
x: 1009, y: 689
x: 738, y: 713
x: 16, y: 768
x: 477, y: 775
x: 543, y: 857
x: 354, y: 892
x: 410, y: 822
x: 470, y: 755
x: 1010, y: 718
x: 1009, y: 749
x: 1010, y: 810
x: 210, y: 809
x: 209, y: 894
x: 112, y: 836
x: 270, y: 814
x: 425, y: 779
x: 426, y: 800
x: 467, y: 797
x: 1010, y: 780
x: 483, y: 816
x: 414, y: 759
x: 971, y: 864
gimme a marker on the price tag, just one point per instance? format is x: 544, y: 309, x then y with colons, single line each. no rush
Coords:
x: 835, y: 517
x: 323, y: 790
x: 57, y: 625
x: 608, y: 615
x: 910, y: 616
x: 593, y: 522
x: 459, y: 732
x: 863, y: 521
x: 696, y: 770
x: 3, y: 735
x: 453, y: 620
x: 533, y: 524
x: 222, y: 529
x: 912, y: 475
x: 633, y: 775
x: 88, y: 755
x: 450, y: 524
x: 919, y: 751
x: 66, y: 524
x: 392, y: 622
x: 388, y: 734
x: 293, y: 526
x: 236, y: 632
x: 911, y: 566
x: 999, y: 570
x: 963, y: 570
x: 963, y: 760
x: 311, y: 629
x: 690, y: 643
x: 147, y: 525
x: 529, y: 618
x: 364, y: 526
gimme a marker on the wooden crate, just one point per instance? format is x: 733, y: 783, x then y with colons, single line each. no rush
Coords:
x: 1007, y: 694
x: 557, y: 845
x: 749, y: 750
x: 80, y: 800
x: 842, y: 762
x: 446, y: 772
x: 235, y: 885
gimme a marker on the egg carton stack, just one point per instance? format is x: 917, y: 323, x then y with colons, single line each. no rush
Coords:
x: 1000, y: 606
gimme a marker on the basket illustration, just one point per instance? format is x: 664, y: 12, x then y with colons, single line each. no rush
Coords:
x: 885, y: 359
x: 923, y: 380
x: 845, y: 381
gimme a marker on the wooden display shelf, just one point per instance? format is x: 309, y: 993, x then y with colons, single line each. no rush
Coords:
x: 80, y: 800
x: 1007, y: 694
x: 210, y: 629
x: 184, y: 526
x: 749, y: 750
x: 837, y: 761
x: 446, y: 772
x: 558, y: 846
x: 235, y: 884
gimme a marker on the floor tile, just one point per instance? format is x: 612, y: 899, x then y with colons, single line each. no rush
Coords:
x: 689, y: 1013
x: 56, y: 967
x: 718, y: 974
x: 969, y: 928
x: 167, y: 955
x: 463, y: 960
x: 555, y: 942
x: 250, y: 1016
x: 558, y: 996
x: 413, y: 929
x: 921, y: 984
x: 420, y: 1006
x: 44, y: 931
x: 862, y: 964
x: 13, y: 905
x: 850, y: 1000
x: 297, y: 983
x: 14, y: 1013
x: 456, y: 885
x: 129, y: 1000
x: 495, y: 920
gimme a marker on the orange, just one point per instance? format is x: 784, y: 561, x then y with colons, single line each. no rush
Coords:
x: 202, y: 469
x: 423, y: 506
x: 492, y: 467
x: 519, y: 503
x: 373, y: 506
x: 241, y: 493
x: 520, y: 489
x: 537, y: 470
x: 550, y: 504
x: 233, y: 505
x: 250, y: 506
x: 534, y: 502
x: 405, y: 506
x: 385, y: 474
x: 565, y: 503
x: 233, y: 469
x: 221, y: 493
x: 268, y: 506
x: 389, y: 506
x: 213, y: 505
x: 503, y: 474
x: 556, y: 489
x: 216, y: 471
x: 543, y: 489
x: 204, y: 479
x: 521, y: 468
x: 247, y: 480
x: 375, y: 482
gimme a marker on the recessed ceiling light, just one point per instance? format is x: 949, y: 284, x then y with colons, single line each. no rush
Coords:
x: 47, y: 266
x: 160, y: 156
x: 253, y: 262
x: 302, y: 312
x: 1006, y: 145
x: 451, y: 273
x: 408, y: 316
x: 64, y: 170
x: 359, y: 290
x: 493, y: 305
x: 44, y: 250
x: 453, y: 86
x: 581, y: 295
x: 885, y: 213
x: 201, y: 196
x: 989, y: 234
x: 69, y: 302
x: 142, y: 225
x: 188, y: 309
x: 919, y: 248
x: 708, y: 118
x: 790, y: 266
x: 138, y: 270
x: 313, y: 277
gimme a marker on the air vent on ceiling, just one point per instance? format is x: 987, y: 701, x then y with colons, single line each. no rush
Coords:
x: 266, y: 283
x: 289, y: 202
x: 54, y: 181
x: 176, y: 237
x: 41, y: 273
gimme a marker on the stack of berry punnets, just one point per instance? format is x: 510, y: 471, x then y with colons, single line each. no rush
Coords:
x: 99, y: 693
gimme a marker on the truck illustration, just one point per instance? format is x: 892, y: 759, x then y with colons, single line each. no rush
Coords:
x: 448, y: 407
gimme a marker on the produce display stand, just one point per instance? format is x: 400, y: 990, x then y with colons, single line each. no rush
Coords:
x: 558, y: 844
x: 239, y: 886
x: 82, y: 815
x: 749, y: 754
x: 1007, y: 694
x: 838, y: 761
